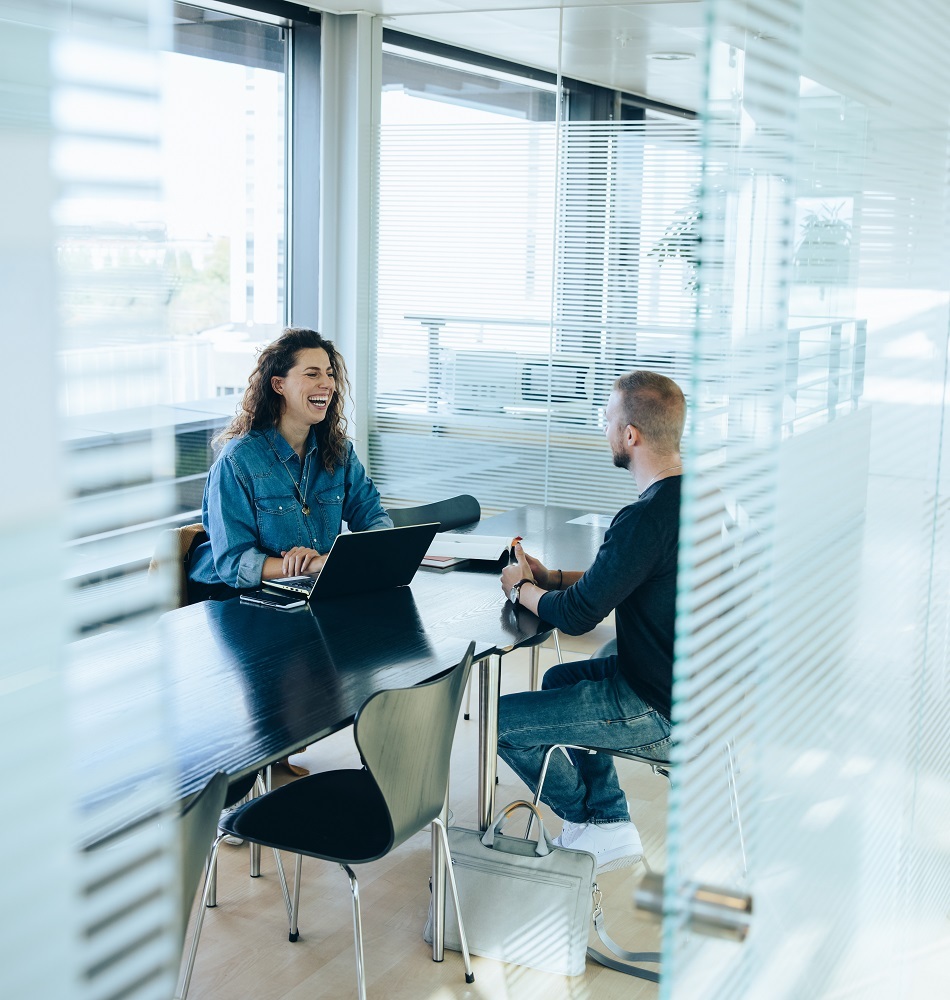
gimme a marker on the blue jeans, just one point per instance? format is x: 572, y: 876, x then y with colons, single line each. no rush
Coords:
x: 590, y: 703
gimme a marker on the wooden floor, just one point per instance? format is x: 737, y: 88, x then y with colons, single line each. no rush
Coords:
x: 244, y: 951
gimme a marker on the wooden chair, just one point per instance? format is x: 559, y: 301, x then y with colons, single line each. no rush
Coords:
x: 173, y: 552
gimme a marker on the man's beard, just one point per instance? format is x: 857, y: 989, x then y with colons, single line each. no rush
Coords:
x: 621, y: 459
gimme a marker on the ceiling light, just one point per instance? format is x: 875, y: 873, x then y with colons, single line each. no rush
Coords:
x: 670, y: 56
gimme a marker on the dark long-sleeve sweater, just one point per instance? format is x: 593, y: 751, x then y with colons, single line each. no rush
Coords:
x: 634, y: 573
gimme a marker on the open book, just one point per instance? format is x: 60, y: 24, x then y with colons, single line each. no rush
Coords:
x: 447, y: 549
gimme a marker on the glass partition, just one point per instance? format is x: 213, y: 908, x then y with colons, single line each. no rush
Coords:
x: 785, y: 258
x: 208, y: 254
x: 812, y: 647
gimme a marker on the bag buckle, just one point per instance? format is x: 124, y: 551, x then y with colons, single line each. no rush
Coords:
x: 597, y: 916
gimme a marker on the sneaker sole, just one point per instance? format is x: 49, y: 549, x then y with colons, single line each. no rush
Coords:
x: 624, y: 861
x: 619, y: 858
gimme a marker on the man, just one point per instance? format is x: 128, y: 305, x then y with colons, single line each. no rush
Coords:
x: 623, y: 701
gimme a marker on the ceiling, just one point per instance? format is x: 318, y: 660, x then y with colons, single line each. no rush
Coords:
x: 633, y: 46
x: 651, y: 49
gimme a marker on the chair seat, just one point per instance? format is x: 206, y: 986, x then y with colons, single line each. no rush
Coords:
x: 537, y: 640
x: 337, y: 816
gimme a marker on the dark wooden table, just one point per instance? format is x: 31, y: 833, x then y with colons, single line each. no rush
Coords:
x: 246, y: 685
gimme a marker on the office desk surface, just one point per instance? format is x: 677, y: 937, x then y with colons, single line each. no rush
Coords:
x: 550, y: 533
x: 245, y: 685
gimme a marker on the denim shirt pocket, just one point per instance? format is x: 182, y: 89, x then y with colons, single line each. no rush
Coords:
x: 278, y: 523
x: 330, y: 505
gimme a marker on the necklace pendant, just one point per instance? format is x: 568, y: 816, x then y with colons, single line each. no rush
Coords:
x: 306, y: 509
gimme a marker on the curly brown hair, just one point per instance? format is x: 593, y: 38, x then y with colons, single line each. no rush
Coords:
x: 261, y: 407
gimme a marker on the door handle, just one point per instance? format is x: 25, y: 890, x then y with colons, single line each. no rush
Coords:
x: 711, y: 910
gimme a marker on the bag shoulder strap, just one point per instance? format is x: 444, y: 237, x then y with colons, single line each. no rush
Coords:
x: 627, y: 958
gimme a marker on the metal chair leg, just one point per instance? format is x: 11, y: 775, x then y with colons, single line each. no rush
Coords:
x: 463, y: 940
x: 185, y: 978
x: 544, y: 773
x: 211, y: 895
x: 255, y: 851
x: 295, y: 906
x: 262, y: 787
x: 468, y: 697
x: 534, y: 668
x: 557, y: 646
x: 357, y: 931
x: 437, y: 884
x: 468, y: 688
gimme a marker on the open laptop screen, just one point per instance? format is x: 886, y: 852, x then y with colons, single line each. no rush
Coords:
x: 364, y: 561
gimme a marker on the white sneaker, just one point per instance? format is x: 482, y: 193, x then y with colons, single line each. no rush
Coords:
x: 615, y: 845
x: 569, y: 833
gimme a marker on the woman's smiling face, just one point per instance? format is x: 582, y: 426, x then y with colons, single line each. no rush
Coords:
x: 307, y: 388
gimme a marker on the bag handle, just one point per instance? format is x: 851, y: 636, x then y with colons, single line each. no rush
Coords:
x: 542, y: 847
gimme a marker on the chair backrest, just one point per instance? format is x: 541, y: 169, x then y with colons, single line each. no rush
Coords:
x: 172, y: 553
x: 405, y: 738
x: 196, y: 829
x: 450, y: 513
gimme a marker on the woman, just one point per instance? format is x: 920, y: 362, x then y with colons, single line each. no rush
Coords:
x: 286, y: 478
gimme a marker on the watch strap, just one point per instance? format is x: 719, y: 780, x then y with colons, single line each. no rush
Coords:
x: 517, y: 587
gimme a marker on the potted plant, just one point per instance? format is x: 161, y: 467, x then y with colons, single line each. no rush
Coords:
x: 823, y: 250
x: 680, y: 243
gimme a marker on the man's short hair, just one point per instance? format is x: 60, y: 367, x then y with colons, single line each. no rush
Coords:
x: 656, y: 406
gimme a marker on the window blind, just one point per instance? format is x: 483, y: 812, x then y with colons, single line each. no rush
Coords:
x: 522, y: 268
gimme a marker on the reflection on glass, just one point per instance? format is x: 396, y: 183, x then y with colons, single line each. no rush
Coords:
x: 212, y: 254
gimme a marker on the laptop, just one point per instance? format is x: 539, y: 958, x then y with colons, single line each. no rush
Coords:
x: 362, y: 562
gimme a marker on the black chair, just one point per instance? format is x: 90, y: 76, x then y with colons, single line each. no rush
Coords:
x: 234, y: 792
x: 355, y: 816
x: 451, y: 513
x: 456, y: 512
x: 197, y: 823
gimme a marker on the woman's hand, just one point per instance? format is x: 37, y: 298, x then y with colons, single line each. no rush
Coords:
x: 300, y: 559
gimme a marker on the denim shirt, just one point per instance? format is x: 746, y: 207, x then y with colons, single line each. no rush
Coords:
x: 251, y: 511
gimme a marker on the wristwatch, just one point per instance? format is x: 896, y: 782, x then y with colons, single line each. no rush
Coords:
x: 514, y: 595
